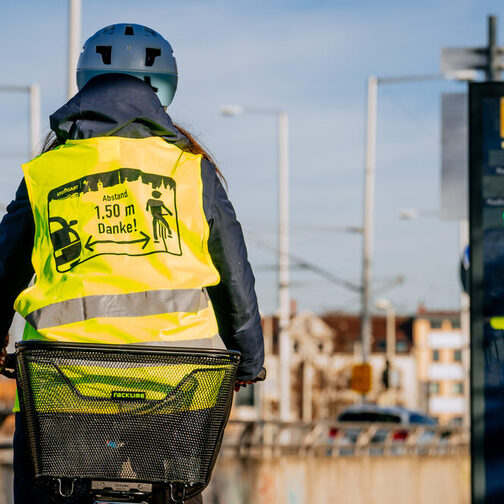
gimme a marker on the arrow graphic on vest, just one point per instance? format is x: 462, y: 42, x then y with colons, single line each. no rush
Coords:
x: 90, y: 244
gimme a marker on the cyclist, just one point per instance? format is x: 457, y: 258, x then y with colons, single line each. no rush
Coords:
x: 101, y: 277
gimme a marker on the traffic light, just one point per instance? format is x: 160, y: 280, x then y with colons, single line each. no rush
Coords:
x: 361, y: 380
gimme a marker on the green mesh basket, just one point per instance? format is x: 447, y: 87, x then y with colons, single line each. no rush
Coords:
x: 121, y: 412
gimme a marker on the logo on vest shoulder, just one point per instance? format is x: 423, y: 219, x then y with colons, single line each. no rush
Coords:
x: 127, y: 395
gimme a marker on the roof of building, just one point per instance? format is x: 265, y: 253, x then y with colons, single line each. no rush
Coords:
x: 347, y: 332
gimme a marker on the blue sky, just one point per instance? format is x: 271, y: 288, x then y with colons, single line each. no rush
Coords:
x: 311, y: 59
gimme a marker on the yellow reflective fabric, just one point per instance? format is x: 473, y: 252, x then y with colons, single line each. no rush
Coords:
x: 118, y: 330
x: 497, y: 323
x: 120, y: 229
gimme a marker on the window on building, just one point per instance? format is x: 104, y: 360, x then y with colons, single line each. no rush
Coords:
x: 457, y: 355
x: 435, y: 355
x: 433, y: 388
x: 458, y: 388
x: 401, y: 346
x: 436, y: 323
x: 455, y: 324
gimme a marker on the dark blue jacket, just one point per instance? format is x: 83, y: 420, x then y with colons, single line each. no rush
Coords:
x: 120, y: 105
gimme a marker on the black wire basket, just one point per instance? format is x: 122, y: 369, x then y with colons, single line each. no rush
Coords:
x: 121, y: 412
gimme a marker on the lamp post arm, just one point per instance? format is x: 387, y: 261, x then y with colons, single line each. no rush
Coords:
x: 411, y: 78
x: 263, y: 110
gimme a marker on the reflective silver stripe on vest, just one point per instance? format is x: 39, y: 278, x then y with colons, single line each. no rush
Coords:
x: 136, y: 304
x: 211, y: 342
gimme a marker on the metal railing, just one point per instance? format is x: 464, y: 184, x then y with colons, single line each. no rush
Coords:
x: 275, y: 438
x: 332, y: 439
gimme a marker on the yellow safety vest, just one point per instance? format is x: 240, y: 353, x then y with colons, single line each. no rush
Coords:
x: 120, y: 252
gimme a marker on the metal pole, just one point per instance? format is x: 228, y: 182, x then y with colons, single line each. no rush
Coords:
x: 369, y: 185
x: 74, y: 42
x: 492, y: 71
x: 465, y: 323
x: 34, y: 92
x: 476, y: 291
x: 283, y: 264
x: 391, y: 332
x: 307, y: 413
x: 34, y: 119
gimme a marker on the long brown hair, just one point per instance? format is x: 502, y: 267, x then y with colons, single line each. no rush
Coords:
x: 52, y: 141
x: 195, y: 147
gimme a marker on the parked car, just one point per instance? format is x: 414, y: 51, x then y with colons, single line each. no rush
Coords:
x: 400, y: 420
x: 373, y: 413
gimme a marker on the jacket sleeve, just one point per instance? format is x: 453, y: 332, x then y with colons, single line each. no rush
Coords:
x: 234, y: 299
x: 17, y: 232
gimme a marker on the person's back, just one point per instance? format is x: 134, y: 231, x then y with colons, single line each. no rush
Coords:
x: 133, y: 236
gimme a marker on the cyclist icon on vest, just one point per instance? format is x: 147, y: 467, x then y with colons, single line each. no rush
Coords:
x: 156, y: 206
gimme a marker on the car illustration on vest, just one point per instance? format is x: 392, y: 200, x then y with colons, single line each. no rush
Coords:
x: 66, y: 243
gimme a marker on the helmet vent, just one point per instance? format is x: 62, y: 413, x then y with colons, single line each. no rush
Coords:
x: 129, y: 30
x: 147, y: 80
x: 109, y: 29
x: 150, y: 55
x: 106, y: 54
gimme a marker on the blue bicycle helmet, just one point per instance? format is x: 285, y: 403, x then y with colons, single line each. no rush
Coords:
x: 131, y: 49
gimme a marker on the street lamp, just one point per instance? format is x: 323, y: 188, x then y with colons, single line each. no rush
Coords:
x: 415, y: 213
x: 369, y: 186
x: 283, y: 243
x: 74, y: 44
x: 34, y: 94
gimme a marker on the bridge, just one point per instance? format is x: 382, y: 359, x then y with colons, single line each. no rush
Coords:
x: 272, y: 462
x: 328, y: 462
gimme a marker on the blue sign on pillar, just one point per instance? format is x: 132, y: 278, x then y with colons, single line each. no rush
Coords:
x: 486, y: 219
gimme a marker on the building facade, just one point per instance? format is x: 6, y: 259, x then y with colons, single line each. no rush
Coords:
x: 426, y: 371
x: 442, y: 355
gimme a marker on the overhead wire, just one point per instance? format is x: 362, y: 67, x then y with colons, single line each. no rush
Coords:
x: 304, y: 264
x: 425, y: 129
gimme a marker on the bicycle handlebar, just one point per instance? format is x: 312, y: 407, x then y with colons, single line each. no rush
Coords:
x: 243, y: 383
x: 9, y: 371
